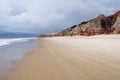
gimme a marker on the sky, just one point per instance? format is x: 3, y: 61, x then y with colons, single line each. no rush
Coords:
x: 46, y: 16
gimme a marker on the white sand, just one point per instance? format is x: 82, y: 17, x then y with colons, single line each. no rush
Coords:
x: 71, y: 58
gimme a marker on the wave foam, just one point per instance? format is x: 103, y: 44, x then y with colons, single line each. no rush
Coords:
x: 9, y: 41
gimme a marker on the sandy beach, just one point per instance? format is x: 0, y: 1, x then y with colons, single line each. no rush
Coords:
x: 71, y: 58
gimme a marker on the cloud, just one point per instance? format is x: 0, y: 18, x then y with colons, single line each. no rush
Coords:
x: 44, y: 16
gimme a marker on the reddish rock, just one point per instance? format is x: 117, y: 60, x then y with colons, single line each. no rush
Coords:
x: 100, y: 25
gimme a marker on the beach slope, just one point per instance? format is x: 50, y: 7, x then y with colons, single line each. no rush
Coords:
x: 71, y: 58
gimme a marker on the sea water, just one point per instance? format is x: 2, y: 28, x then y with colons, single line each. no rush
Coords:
x: 12, y: 51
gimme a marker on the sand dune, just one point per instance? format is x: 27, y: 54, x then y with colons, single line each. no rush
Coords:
x: 71, y: 58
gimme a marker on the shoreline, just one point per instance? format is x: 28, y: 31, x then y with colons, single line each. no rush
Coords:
x: 71, y: 58
x: 11, y: 55
x: 17, y: 64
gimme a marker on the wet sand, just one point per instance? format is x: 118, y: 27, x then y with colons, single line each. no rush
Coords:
x: 10, y: 55
x: 71, y: 58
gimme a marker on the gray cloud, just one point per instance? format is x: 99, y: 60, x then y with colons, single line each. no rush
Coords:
x: 44, y: 16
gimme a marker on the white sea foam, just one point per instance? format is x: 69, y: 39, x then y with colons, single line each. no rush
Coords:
x: 9, y: 56
x: 9, y: 41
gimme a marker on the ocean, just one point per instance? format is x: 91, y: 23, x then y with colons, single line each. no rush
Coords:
x: 12, y: 50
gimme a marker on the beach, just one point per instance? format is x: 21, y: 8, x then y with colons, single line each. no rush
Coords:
x: 71, y: 58
x: 11, y: 52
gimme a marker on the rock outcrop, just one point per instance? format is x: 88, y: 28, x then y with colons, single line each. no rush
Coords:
x: 100, y: 25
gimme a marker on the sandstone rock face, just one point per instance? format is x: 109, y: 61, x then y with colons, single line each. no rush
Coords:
x: 100, y: 25
x: 116, y: 26
x: 117, y: 23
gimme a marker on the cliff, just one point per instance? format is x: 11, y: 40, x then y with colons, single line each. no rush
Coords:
x: 99, y: 25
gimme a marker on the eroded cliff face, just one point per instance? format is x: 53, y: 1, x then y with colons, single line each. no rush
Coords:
x: 100, y: 25
x: 116, y: 26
